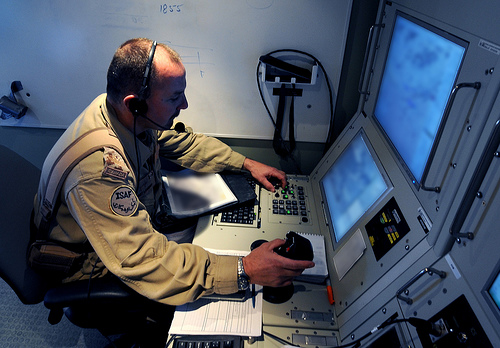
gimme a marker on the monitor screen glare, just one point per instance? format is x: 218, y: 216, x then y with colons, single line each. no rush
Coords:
x: 351, y: 186
x: 419, y: 74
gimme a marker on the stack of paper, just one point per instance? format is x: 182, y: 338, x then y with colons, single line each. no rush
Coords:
x: 319, y: 272
x: 219, y: 317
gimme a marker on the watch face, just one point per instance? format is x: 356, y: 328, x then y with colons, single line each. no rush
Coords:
x: 242, y: 283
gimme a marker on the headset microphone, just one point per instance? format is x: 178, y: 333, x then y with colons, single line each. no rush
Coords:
x: 153, y: 122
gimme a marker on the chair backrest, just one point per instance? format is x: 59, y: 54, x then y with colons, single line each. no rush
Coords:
x: 18, y: 185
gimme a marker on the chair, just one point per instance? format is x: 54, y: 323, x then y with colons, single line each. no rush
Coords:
x: 105, y: 304
x: 18, y: 184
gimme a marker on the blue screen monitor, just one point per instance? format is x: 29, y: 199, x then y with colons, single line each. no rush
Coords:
x: 420, y: 72
x: 352, y: 185
x: 491, y: 291
x: 494, y: 291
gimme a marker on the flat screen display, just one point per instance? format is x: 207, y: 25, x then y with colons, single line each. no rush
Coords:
x: 420, y: 71
x: 351, y: 186
x: 494, y: 291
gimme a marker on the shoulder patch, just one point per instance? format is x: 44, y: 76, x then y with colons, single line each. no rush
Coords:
x: 114, y: 165
x: 123, y: 201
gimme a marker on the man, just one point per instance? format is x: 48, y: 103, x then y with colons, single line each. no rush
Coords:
x: 122, y: 236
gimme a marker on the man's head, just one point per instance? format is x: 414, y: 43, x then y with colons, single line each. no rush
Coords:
x: 165, y: 97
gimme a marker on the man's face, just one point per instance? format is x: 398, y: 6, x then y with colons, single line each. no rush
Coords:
x: 167, y: 96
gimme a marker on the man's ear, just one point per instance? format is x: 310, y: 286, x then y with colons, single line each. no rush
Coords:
x: 135, y: 105
x: 126, y: 100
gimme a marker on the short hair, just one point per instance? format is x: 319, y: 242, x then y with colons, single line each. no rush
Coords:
x: 126, y: 71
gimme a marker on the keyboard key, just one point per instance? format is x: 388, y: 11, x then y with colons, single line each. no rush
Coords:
x: 207, y: 342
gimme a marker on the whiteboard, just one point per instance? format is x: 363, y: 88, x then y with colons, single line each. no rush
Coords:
x: 60, y: 50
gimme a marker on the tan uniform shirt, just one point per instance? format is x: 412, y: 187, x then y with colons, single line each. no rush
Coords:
x: 100, y: 204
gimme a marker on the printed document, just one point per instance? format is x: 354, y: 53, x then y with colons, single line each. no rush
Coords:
x: 221, y: 317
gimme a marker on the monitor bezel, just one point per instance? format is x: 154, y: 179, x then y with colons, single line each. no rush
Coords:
x: 486, y: 294
x: 448, y: 36
x: 375, y: 204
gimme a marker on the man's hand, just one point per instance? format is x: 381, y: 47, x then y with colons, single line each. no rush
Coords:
x: 262, y: 173
x: 264, y: 267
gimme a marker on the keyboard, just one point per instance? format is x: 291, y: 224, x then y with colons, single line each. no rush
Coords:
x: 290, y: 204
x: 208, y: 342
x: 243, y: 214
x: 290, y: 201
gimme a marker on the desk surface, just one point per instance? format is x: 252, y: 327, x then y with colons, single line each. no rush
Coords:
x: 308, y: 310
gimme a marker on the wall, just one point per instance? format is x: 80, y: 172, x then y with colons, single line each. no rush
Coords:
x: 60, y: 51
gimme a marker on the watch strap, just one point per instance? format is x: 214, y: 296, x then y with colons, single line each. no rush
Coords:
x: 243, y: 279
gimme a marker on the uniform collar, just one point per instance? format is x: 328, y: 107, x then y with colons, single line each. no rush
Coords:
x: 127, y: 137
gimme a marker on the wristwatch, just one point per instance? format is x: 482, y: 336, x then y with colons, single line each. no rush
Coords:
x: 243, y: 279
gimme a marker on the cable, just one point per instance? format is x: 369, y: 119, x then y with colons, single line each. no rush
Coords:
x: 172, y: 337
x: 109, y: 340
x: 277, y: 138
x: 137, y: 154
x: 330, y: 131
x: 357, y: 342
x: 90, y: 278
x: 418, y: 323
x: 424, y: 325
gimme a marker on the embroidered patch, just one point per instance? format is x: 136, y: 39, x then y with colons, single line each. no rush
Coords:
x: 123, y: 201
x: 114, y: 165
x: 115, y: 173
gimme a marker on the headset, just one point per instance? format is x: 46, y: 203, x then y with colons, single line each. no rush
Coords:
x: 138, y: 106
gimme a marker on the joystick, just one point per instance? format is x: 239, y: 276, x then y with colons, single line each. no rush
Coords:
x: 295, y: 247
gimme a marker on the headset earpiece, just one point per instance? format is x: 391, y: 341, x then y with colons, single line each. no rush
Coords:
x: 138, y: 107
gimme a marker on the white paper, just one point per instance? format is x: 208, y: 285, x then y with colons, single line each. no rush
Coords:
x: 216, y: 317
x: 220, y: 317
x: 319, y: 272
